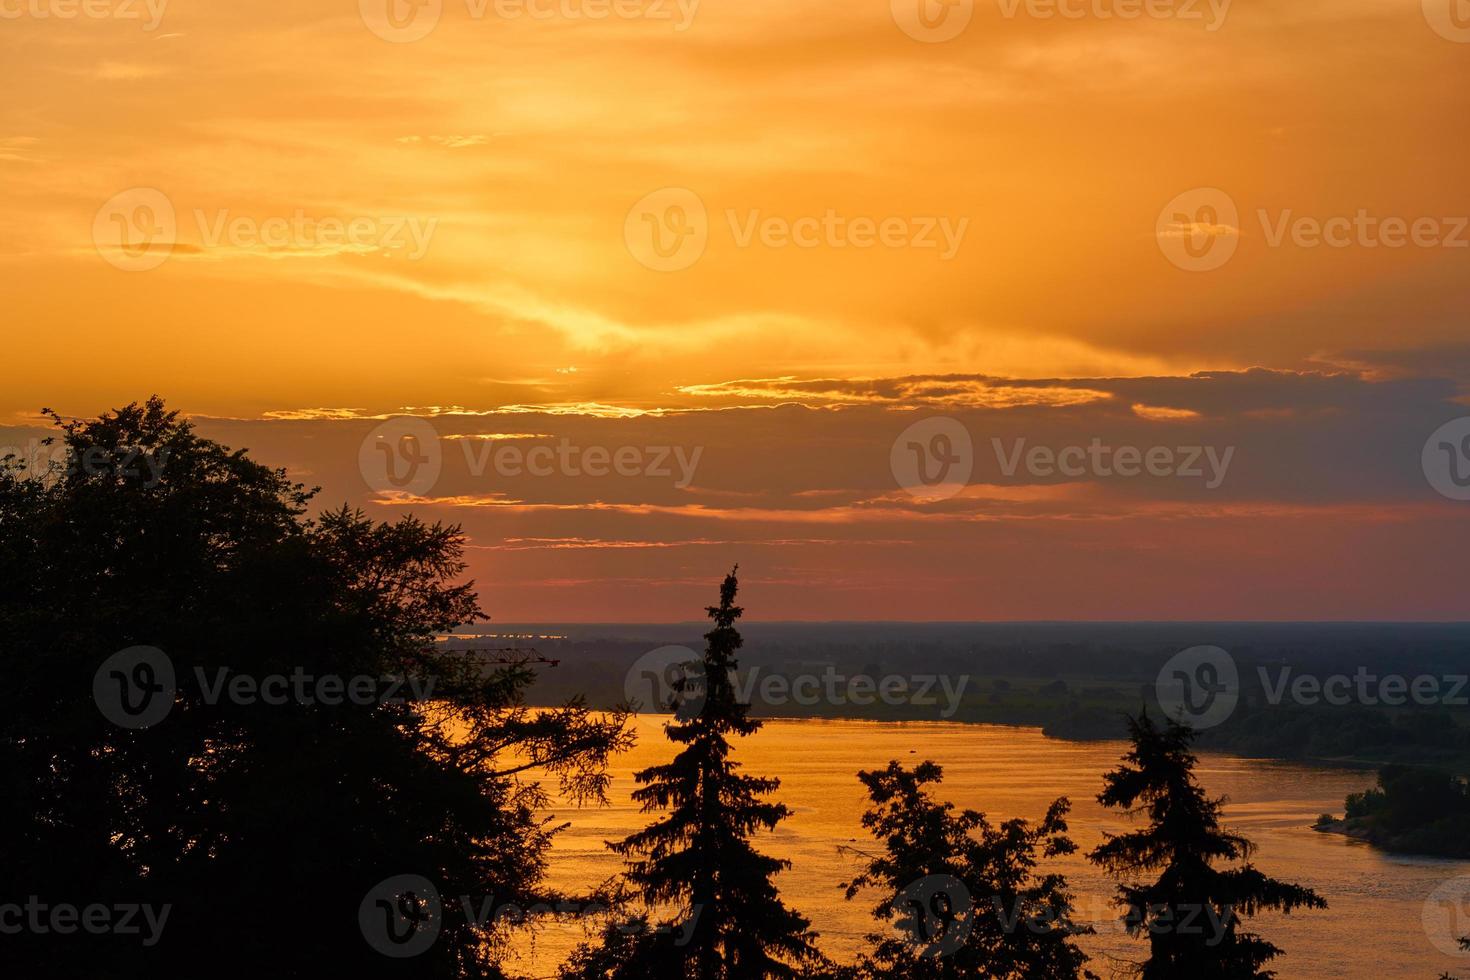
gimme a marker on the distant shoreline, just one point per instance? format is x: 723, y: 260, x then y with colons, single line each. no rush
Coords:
x: 1358, y: 830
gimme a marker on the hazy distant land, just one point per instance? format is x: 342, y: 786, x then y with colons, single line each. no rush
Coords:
x: 1074, y: 680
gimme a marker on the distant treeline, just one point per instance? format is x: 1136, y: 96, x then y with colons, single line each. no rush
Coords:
x: 1079, y: 680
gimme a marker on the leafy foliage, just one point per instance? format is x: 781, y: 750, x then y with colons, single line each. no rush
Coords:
x: 1017, y: 923
x: 262, y: 825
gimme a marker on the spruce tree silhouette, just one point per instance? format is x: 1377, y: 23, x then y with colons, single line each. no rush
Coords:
x: 965, y: 895
x: 730, y: 922
x: 1192, y: 911
x: 263, y: 827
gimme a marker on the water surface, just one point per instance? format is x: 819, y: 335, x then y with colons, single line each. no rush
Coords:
x: 1373, y: 926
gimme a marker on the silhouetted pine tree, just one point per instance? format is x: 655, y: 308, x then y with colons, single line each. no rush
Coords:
x: 965, y: 894
x: 731, y: 923
x: 1192, y: 911
x: 1465, y: 945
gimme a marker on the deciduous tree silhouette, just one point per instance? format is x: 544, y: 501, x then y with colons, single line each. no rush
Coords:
x: 264, y: 826
x: 729, y: 923
x: 1191, y: 912
x: 965, y: 894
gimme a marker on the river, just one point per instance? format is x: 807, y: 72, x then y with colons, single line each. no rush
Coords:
x: 1373, y: 927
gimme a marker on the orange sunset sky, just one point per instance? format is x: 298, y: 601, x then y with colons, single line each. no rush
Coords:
x: 173, y: 172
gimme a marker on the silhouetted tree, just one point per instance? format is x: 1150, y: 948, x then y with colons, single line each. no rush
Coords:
x: 728, y: 922
x: 965, y: 895
x: 1191, y: 912
x: 1465, y: 945
x: 264, y: 826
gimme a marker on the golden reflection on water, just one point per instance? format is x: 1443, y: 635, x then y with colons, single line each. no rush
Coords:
x: 1016, y: 772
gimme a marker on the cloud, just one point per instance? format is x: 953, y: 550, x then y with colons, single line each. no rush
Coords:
x: 1159, y: 413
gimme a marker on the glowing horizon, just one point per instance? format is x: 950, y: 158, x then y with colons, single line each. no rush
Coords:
x: 780, y: 235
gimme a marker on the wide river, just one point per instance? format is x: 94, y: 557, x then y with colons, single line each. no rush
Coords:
x: 1375, y: 925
